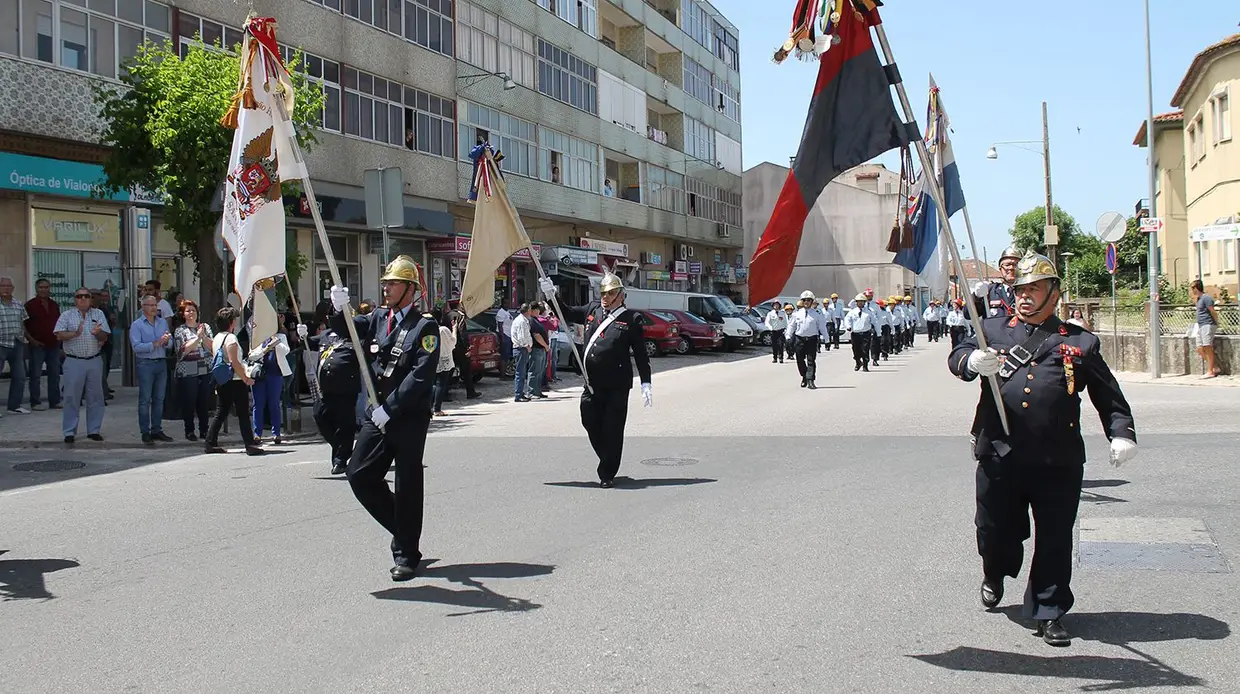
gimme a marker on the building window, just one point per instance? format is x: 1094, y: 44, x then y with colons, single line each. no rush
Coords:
x: 565, y: 77
x: 197, y: 31
x: 1229, y: 255
x: 727, y: 99
x: 516, y: 138
x: 712, y: 202
x: 493, y: 44
x: 697, y: 81
x: 699, y: 140
x: 95, y: 37
x: 428, y: 23
x: 568, y: 161
x: 582, y: 14
x: 1220, y: 114
x: 325, y: 73
x: 696, y: 23
x: 1197, y: 139
x: 727, y: 46
x: 377, y: 109
x: 665, y: 189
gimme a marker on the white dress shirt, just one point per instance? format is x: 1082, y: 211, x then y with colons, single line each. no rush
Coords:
x: 858, y: 320
x: 776, y: 320
x: 807, y: 322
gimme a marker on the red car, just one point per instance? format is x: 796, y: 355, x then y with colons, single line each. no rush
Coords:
x: 662, y: 334
x: 483, y: 351
x: 695, y: 332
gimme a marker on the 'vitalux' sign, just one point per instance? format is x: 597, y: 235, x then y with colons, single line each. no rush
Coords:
x: 56, y: 177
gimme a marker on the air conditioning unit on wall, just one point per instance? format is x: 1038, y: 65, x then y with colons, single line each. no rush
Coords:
x: 723, y: 231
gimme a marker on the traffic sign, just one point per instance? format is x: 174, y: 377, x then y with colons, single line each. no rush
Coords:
x: 1112, y: 258
x: 1150, y: 225
x: 1111, y: 227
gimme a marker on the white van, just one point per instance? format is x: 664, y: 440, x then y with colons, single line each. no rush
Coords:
x: 736, y: 331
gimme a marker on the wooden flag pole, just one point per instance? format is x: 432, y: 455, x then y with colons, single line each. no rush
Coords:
x: 367, y: 381
x: 968, y: 225
x: 936, y: 192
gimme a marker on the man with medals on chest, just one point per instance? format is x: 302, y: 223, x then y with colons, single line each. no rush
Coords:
x: 1042, y: 366
x: 401, y: 344
x: 613, y: 334
x: 997, y: 298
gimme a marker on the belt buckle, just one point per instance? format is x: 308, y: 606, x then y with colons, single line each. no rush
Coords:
x: 1021, y: 354
x: 1008, y: 368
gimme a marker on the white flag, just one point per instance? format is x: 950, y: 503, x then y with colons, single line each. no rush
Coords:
x: 262, y: 157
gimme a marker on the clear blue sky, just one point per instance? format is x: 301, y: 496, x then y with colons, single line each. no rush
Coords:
x: 995, y: 63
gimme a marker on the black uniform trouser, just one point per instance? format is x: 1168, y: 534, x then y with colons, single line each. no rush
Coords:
x: 861, y: 348
x: 836, y: 329
x: 807, y: 357
x: 777, y: 345
x: 790, y: 346
x: 1005, y: 493
x: 467, y: 377
x: 876, y: 345
x: 957, y: 334
x: 908, y: 336
x: 398, y: 510
x: 603, y: 414
x: 336, y: 417
x: 886, y: 344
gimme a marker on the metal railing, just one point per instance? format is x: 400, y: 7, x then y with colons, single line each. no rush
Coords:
x: 1176, y: 321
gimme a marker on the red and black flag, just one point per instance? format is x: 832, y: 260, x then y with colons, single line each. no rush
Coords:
x: 852, y: 119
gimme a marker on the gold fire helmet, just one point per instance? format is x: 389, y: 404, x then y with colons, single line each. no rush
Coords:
x: 1034, y: 267
x: 1011, y: 252
x: 402, y: 269
x: 610, y: 282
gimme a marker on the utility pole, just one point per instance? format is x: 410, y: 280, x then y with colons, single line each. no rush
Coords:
x: 1155, y: 348
x: 1052, y: 242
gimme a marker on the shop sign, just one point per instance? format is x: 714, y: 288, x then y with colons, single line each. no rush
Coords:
x: 68, y: 178
x: 679, y: 277
x: 460, y: 245
x: 658, y: 275
x: 680, y: 267
x: 742, y: 273
x: 620, y: 250
x: 551, y: 267
x: 654, y: 258
x: 718, y: 257
x: 570, y: 255
x: 695, y: 267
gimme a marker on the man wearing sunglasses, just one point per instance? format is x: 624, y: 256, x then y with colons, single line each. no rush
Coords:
x: 613, y: 333
x: 999, y: 298
x: 82, y: 331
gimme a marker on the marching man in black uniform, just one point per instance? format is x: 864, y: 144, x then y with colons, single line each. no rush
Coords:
x: 340, y: 380
x: 613, y: 334
x: 402, y: 346
x: 995, y: 298
x: 1042, y: 366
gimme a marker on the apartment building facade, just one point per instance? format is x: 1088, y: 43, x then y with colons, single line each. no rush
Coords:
x: 619, y: 122
x: 1169, y: 164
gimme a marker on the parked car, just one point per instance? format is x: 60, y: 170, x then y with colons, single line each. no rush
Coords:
x: 483, y: 350
x: 564, y: 351
x: 761, y: 334
x: 696, y: 333
x: 661, y: 333
x: 736, y: 331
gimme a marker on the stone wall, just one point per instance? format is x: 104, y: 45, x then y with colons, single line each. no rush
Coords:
x: 1179, y: 354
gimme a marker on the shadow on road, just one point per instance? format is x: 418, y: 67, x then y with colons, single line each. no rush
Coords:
x: 1121, y: 629
x: 476, y: 596
x: 1096, y: 484
x: 630, y: 483
x: 22, y: 579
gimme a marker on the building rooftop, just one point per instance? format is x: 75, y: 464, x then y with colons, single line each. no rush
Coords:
x: 1169, y: 117
x: 1198, y: 66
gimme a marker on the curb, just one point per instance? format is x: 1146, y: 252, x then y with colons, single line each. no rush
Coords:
x: 1197, y: 382
x: 88, y: 445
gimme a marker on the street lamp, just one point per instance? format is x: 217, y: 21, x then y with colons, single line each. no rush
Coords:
x: 508, y: 83
x: 1051, y: 233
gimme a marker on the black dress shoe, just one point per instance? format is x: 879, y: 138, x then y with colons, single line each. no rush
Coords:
x: 213, y: 449
x: 403, y: 573
x: 69, y: 439
x: 161, y: 436
x: 94, y: 437
x: 146, y: 438
x: 803, y: 383
x: 607, y: 484
x: 339, y: 468
x: 992, y: 593
x: 811, y: 386
x: 191, y: 437
x: 1053, y: 633
x: 856, y: 367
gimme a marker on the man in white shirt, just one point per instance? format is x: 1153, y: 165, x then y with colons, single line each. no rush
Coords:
x: 835, y: 312
x: 777, y: 323
x: 931, y: 316
x: 522, y: 347
x: 860, y: 322
x: 808, y: 326
x: 153, y: 288
x: 956, y: 322
x: 82, y: 331
x: 503, y: 325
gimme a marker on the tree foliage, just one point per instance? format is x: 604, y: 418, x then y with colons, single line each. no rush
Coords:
x: 1086, y: 273
x: 162, y: 128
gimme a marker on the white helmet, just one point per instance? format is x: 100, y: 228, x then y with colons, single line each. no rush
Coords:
x: 807, y: 294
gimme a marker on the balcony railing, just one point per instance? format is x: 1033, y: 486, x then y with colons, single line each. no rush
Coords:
x: 657, y: 135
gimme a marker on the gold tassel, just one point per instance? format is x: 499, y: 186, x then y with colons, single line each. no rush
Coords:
x: 244, y: 96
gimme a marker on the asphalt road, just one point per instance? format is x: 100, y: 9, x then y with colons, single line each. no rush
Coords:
x: 769, y: 539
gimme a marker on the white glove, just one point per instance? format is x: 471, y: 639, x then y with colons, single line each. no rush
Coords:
x: 647, y: 394
x: 302, y: 330
x: 548, y: 287
x: 380, y: 417
x: 340, y: 297
x: 984, y: 362
x: 980, y: 289
x: 1122, y: 450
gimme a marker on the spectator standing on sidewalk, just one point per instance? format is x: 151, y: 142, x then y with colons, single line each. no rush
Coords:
x: 153, y: 288
x: 232, y: 383
x: 460, y: 353
x: 13, y: 338
x: 443, y: 371
x: 268, y: 386
x: 522, y: 344
x: 43, y: 312
x: 538, y: 355
x: 553, y: 338
x: 1207, y: 324
x: 192, y: 379
x: 82, y: 333
x: 149, y: 336
x: 503, y: 325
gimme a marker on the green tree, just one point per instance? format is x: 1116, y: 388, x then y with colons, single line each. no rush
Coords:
x: 1028, y: 231
x: 162, y: 127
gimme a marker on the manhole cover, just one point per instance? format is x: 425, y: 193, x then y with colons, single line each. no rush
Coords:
x: 49, y: 466
x: 670, y: 462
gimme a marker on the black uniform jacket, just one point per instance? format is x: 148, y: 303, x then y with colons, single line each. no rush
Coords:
x: 403, y: 370
x: 1043, y: 397
x: 608, y: 365
x: 1000, y: 300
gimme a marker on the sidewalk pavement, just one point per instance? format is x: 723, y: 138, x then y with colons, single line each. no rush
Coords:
x: 42, y: 429
x: 1178, y: 380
